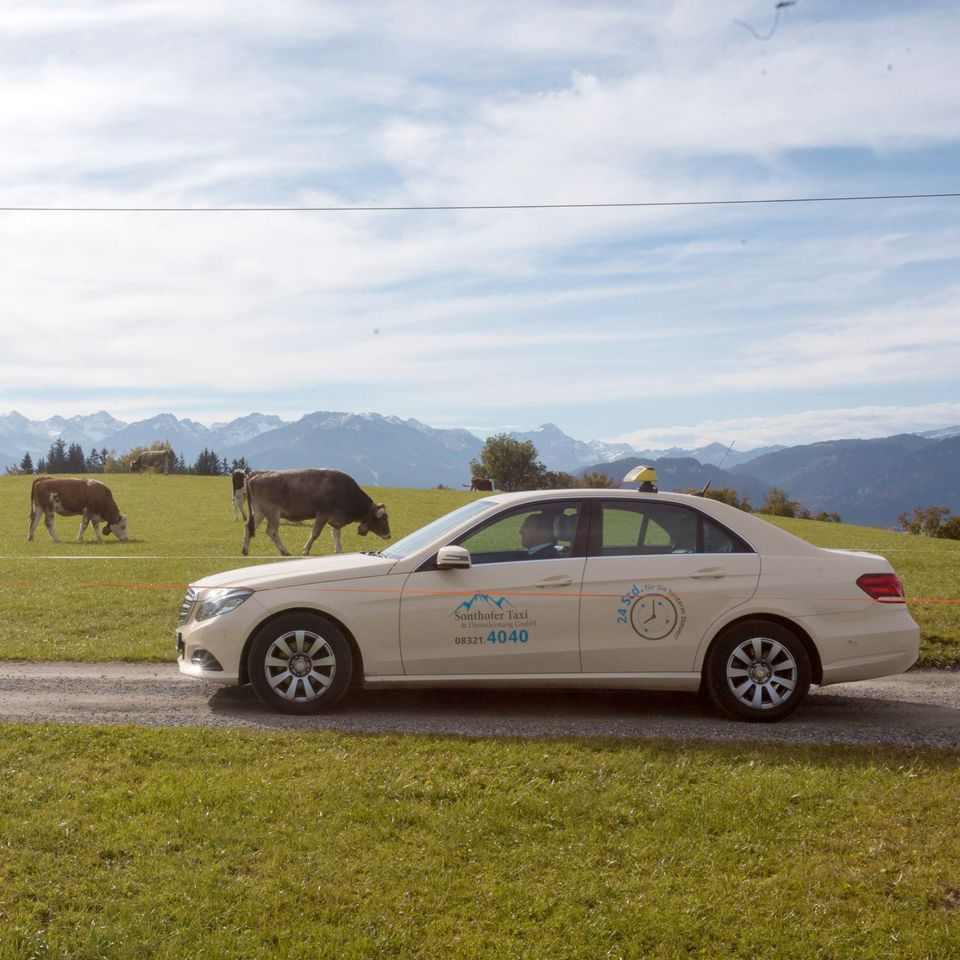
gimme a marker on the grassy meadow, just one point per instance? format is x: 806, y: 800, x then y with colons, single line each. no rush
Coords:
x: 118, y: 843
x: 122, y: 843
x: 118, y: 601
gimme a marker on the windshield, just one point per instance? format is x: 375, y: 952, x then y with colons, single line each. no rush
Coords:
x: 434, y: 531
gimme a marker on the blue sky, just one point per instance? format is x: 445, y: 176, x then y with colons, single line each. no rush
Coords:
x: 655, y: 325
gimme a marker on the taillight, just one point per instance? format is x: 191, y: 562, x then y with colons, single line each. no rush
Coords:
x: 882, y: 586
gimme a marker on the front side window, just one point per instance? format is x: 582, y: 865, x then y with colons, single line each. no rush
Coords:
x: 544, y: 531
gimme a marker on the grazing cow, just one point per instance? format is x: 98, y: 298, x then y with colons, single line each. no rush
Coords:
x: 239, y: 493
x: 154, y: 458
x: 324, y: 496
x: 481, y: 483
x: 91, y: 499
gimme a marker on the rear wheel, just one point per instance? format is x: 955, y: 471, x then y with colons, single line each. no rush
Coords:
x: 758, y: 670
x: 300, y: 663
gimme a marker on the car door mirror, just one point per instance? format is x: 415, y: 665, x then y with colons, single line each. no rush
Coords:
x: 453, y: 558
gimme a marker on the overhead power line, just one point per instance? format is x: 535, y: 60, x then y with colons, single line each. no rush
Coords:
x: 426, y: 208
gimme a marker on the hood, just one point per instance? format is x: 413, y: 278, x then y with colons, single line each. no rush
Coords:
x: 303, y: 570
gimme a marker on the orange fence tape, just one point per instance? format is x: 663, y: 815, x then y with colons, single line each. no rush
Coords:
x: 459, y: 593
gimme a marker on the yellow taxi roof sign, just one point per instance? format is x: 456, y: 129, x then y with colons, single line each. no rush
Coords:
x: 642, y: 474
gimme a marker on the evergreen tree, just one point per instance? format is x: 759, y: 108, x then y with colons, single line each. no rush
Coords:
x: 94, y: 462
x: 57, y: 457
x: 26, y: 464
x: 76, y: 462
x: 208, y: 464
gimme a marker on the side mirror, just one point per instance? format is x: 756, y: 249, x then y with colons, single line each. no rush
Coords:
x: 453, y: 558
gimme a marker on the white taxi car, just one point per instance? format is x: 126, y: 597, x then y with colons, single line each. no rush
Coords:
x: 559, y: 588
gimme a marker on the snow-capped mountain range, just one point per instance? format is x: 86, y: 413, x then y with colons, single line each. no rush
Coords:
x: 379, y: 449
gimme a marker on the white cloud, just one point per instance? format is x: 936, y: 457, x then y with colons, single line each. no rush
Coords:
x: 807, y: 426
x: 483, y: 316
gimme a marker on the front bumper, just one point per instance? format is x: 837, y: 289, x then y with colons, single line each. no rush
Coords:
x: 213, y: 649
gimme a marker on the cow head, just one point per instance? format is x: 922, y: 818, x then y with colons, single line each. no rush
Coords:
x: 376, y: 522
x: 118, y: 528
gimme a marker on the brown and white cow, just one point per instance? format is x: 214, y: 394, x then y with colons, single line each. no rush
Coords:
x: 324, y: 496
x: 160, y: 459
x: 70, y: 497
x: 481, y: 483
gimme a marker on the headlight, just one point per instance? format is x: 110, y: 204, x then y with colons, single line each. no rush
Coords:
x: 216, y: 602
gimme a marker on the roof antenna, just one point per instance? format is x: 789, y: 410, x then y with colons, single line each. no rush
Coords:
x: 706, y: 486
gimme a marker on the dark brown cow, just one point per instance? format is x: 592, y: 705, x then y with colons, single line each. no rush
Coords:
x: 154, y: 458
x: 324, y: 496
x: 70, y: 497
x: 481, y: 483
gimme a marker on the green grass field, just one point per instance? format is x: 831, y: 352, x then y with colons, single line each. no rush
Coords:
x: 118, y: 601
x: 121, y: 843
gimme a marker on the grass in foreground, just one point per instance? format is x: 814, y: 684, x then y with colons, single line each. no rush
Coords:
x: 125, y: 843
x: 118, y: 601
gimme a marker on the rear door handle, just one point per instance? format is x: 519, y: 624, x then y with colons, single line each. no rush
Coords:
x: 555, y: 582
x: 709, y: 573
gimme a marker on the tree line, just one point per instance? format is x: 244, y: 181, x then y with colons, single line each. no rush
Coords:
x: 63, y: 458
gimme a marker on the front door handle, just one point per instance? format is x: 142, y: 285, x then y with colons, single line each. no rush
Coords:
x: 709, y: 573
x: 555, y: 582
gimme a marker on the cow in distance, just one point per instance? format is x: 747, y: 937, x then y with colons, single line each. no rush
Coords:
x: 158, y: 459
x: 324, y: 496
x: 71, y: 497
x: 481, y: 483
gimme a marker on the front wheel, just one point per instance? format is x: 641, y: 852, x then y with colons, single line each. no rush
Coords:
x: 758, y: 670
x: 300, y: 663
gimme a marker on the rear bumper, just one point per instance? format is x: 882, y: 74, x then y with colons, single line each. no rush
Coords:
x: 861, y: 647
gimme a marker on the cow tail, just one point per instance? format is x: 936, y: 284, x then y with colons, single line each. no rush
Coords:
x: 251, y: 527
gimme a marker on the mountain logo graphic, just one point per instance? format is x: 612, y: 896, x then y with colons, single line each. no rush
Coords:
x: 484, y: 598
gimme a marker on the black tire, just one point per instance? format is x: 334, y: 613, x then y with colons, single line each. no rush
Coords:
x: 300, y: 663
x: 757, y: 671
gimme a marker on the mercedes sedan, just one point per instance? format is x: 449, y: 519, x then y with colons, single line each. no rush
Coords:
x: 559, y: 588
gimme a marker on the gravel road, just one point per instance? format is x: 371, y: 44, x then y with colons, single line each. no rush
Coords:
x: 919, y: 708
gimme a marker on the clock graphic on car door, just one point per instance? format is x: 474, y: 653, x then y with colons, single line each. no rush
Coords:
x: 653, y: 616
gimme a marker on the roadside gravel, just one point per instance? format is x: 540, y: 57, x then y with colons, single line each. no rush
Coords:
x: 919, y: 708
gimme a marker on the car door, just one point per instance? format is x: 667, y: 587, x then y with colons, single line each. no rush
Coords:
x: 511, y: 612
x: 657, y: 576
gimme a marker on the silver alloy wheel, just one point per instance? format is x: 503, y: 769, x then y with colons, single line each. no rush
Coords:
x: 300, y: 665
x: 761, y: 673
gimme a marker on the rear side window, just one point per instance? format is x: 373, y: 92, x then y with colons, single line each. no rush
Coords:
x: 648, y: 528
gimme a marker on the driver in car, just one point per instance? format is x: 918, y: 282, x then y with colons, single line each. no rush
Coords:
x: 537, y: 537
